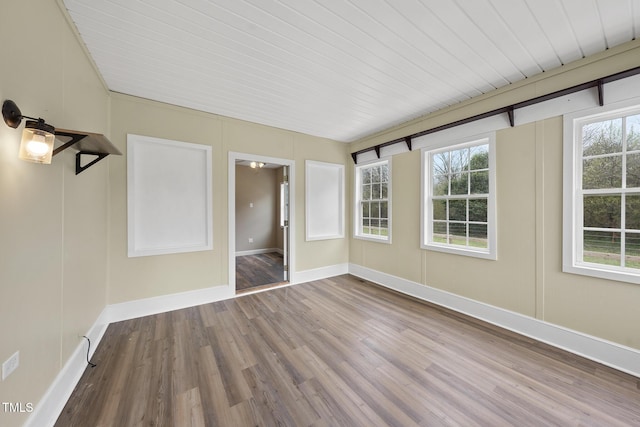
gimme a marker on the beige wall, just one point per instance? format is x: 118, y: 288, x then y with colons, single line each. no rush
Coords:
x: 144, y: 277
x: 257, y: 193
x: 53, y: 224
x: 148, y: 276
x: 527, y: 277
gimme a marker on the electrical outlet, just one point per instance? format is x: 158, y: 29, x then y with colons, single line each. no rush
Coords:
x: 10, y: 365
x: 250, y: 239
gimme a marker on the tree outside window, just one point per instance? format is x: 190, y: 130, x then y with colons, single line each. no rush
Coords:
x: 459, y: 199
x: 610, y: 191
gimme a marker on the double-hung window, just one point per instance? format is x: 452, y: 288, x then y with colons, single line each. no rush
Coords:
x: 459, y: 199
x: 602, y: 193
x: 373, y: 201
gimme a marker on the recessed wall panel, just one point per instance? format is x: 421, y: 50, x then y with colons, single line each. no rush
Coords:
x: 169, y: 196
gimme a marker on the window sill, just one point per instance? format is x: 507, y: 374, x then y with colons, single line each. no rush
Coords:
x: 593, y: 270
x: 386, y: 240
x: 460, y: 251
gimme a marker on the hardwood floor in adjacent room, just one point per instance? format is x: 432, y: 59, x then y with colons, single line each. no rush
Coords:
x: 339, y: 352
x: 258, y: 270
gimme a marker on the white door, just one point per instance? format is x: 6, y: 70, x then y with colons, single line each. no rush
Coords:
x: 284, y: 220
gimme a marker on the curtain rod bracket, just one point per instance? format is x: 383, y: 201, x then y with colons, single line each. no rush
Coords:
x: 601, y: 92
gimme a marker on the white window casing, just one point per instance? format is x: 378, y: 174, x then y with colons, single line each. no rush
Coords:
x: 373, y: 221
x: 605, y: 180
x: 459, y: 197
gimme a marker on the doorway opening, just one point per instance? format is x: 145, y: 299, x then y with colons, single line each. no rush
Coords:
x: 260, y: 212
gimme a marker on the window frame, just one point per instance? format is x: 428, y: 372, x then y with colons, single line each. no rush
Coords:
x: 573, y: 213
x: 426, y: 217
x: 357, y: 226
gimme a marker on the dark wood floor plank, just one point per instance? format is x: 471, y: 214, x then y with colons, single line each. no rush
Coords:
x: 336, y: 389
x: 339, y: 352
x: 189, y: 409
x: 216, y: 408
x: 234, y: 387
x: 159, y: 406
x: 253, y: 271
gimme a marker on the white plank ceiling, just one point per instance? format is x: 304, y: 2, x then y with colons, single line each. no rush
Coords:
x: 341, y: 69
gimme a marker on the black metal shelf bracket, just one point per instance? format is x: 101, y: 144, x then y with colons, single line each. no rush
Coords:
x: 79, y: 154
x: 87, y: 144
x: 75, y: 138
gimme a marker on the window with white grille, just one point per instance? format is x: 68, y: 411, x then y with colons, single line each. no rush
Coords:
x: 602, y: 193
x: 373, y: 201
x: 459, y: 199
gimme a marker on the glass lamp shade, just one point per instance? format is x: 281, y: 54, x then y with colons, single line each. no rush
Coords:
x: 37, y: 142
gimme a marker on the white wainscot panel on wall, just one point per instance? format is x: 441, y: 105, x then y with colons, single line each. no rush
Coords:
x: 169, y: 196
x: 324, y: 200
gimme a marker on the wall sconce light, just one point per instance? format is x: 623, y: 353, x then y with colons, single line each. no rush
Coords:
x: 37, y: 138
x: 256, y: 165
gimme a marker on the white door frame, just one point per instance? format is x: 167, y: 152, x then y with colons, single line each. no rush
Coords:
x: 233, y: 156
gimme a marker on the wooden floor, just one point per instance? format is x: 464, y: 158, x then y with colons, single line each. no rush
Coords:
x: 254, y: 271
x: 339, y: 352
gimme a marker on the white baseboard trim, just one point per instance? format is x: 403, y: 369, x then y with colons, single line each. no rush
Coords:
x: 48, y: 409
x: 259, y: 251
x: 608, y: 353
x: 320, y: 273
x: 161, y: 304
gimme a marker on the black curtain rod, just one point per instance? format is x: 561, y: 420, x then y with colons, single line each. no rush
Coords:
x: 509, y: 110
